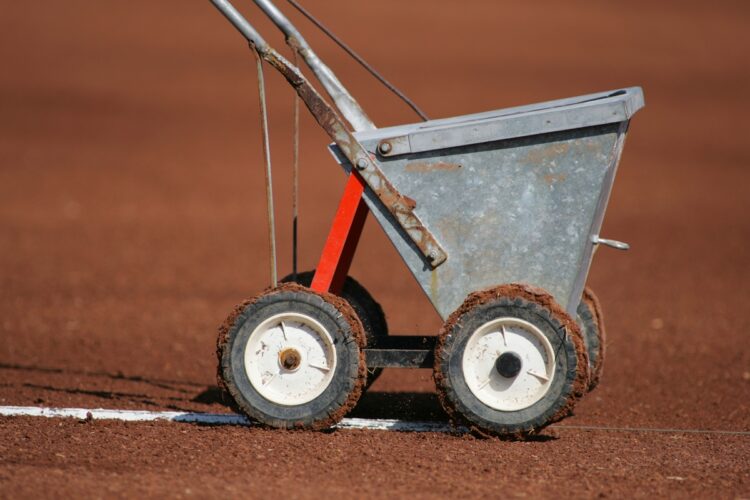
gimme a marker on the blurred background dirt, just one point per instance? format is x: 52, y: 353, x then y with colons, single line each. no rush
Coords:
x: 132, y: 220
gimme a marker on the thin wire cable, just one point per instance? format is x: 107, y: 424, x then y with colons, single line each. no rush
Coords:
x: 295, y: 175
x: 267, y: 158
x: 648, y: 429
x: 359, y: 59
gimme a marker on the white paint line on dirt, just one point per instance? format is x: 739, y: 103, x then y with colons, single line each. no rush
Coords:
x: 347, y: 423
x: 207, y: 418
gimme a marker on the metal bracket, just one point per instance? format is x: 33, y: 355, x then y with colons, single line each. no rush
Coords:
x: 618, y: 245
x: 400, y: 206
x: 400, y: 351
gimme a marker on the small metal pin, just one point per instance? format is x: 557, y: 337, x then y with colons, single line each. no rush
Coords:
x: 361, y: 163
x: 385, y: 147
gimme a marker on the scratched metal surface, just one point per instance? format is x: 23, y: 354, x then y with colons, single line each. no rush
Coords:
x: 518, y: 210
x: 514, y: 209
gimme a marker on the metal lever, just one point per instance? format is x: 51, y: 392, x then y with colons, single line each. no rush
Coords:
x: 618, y: 245
x: 348, y: 106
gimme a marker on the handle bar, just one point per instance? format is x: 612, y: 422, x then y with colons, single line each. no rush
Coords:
x: 345, y: 103
x: 399, y: 206
x: 244, y: 27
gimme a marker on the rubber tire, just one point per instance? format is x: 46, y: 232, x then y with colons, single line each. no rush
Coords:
x: 591, y: 320
x: 569, y: 380
x: 344, y: 389
x: 369, y: 311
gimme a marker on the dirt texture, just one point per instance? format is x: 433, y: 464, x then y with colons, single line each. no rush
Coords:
x: 132, y: 220
x: 593, y: 304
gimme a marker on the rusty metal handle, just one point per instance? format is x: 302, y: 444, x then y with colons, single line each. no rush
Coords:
x: 400, y: 207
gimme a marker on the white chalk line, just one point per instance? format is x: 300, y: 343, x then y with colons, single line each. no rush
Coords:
x: 211, y: 418
x: 347, y: 423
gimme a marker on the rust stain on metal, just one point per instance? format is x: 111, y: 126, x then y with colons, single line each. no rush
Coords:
x: 547, y: 153
x: 592, y: 146
x: 401, y: 207
x: 553, y: 178
x: 434, y: 285
x: 425, y: 166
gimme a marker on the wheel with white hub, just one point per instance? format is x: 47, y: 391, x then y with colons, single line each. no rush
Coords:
x: 510, y: 361
x: 508, y: 364
x: 368, y: 310
x: 291, y: 358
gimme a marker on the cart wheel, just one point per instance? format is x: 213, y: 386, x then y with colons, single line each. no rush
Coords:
x: 369, y: 311
x: 591, y: 321
x: 509, y: 361
x: 292, y: 358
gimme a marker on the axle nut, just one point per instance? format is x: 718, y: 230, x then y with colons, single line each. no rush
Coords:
x: 290, y: 359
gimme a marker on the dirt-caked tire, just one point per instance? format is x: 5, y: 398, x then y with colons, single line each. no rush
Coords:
x: 292, y: 358
x: 591, y: 320
x: 369, y: 311
x: 509, y: 362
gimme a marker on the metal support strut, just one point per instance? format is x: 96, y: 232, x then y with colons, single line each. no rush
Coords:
x: 342, y: 240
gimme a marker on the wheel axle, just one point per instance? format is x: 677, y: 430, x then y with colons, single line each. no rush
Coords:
x: 290, y: 358
x: 508, y: 364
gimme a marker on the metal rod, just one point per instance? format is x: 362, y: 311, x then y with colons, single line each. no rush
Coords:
x: 295, y: 177
x: 345, y: 103
x: 239, y: 22
x: 359, y: 59
x: 267, y: 158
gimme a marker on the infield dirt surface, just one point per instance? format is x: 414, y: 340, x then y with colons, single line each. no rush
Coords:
x: 132, y: 219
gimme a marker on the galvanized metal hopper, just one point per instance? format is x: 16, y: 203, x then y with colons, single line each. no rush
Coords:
x: 513, y: 196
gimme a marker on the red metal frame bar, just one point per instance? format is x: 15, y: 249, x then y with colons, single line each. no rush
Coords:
x: 341, y: 244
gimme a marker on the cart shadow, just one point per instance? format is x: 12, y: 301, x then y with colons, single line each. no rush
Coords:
x: 376, y: 405
x: 114, y: 387
x: 409, y: 406
x: 172, y: 385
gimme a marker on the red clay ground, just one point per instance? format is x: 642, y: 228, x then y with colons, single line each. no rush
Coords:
x: 131, y: 220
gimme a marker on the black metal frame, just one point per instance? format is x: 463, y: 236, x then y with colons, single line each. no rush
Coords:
x: 400, y: 351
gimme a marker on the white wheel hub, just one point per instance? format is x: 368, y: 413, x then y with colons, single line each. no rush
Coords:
x: 290, y: 359
x: 508, y: 364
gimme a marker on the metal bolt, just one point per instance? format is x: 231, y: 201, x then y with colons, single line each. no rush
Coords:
x: 385, y: 147
x: 361, y: 163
